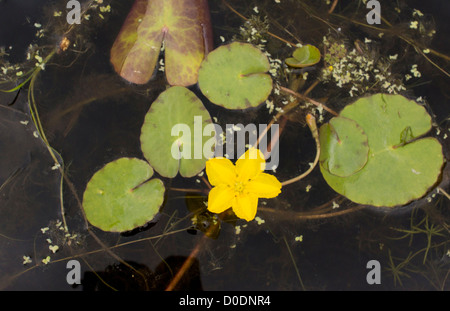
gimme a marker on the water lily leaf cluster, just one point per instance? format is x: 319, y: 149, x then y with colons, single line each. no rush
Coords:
x: 175, y: 137
x: 121, y: 196
x: 183, y: 25
x: 233, y: 76
x: 374, y: 152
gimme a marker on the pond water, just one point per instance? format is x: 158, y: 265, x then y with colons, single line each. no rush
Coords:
x: 308, y: 238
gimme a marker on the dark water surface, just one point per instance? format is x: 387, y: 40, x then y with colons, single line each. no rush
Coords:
x: 91, y: 117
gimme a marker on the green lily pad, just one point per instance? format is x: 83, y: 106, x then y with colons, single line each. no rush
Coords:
x: 234, y: 76
x: 120, y: 197
x: 183, y: 25
x: 304, y: 56
x: 401, y: 166
x: 172, y: 134
x: 344, y: 147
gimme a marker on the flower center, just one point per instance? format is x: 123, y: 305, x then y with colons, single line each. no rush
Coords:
x: 239, y: 187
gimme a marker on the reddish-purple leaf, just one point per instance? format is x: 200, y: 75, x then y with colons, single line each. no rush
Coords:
x: 183, y: 25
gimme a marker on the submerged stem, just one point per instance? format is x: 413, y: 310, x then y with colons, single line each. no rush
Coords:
x: 186, y: 190
x: 311, y: 121
x: 292, y: 216
x: 37, y: 122
x: 333, y: 6
x: 306, y: 98
x: 189, y: 261
x: 443, y: 191
x: 293, y: 261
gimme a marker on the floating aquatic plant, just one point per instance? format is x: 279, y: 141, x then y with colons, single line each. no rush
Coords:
x: 235, y: 76
x: 304, y: 56
x: 345, y: 147
x: 184, y: 27
x: 358, y: 69
x: 239, y: 187
x: 400, y: 166
x: 121, y: 196
x: 173, y: 136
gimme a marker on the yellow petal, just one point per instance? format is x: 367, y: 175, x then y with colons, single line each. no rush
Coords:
x: 220, y: 198
x: 250, y: 164
x: 264, y: 186
x: 245, y: 206
x: 220, y: 171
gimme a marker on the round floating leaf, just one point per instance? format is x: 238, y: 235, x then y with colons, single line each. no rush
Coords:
x: 172, y: 137
x: 344, y: 147
x: 401, y: 167
x: 304, y: 56
x: 119, y: 196
x: 234, y: 76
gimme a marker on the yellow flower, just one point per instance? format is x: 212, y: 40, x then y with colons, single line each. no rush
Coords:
x: 240, y: 186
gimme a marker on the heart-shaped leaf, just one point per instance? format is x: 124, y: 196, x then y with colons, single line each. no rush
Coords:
x: 304, y: 56
x: 400, y: 167
x: 183, y: 25
x: 120, y: 197
x: 234, y: 76
x: 172, y: 137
